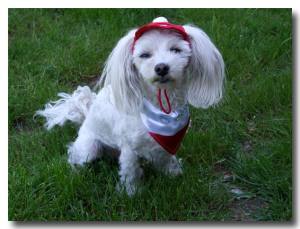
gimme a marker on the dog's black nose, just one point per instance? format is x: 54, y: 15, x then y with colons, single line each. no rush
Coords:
x: 162, y: 69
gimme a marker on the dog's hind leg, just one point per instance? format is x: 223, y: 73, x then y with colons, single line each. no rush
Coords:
x: 85, y: 149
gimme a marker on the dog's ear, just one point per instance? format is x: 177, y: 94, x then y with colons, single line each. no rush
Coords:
x: 120, y: 73
x: 206, y: 70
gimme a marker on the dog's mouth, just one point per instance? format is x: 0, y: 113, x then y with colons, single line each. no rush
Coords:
x: 162, y: 80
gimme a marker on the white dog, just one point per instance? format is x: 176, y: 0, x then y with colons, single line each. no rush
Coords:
x: 141, y: 109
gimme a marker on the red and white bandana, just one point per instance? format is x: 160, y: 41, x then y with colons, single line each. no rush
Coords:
x: 167, y: 130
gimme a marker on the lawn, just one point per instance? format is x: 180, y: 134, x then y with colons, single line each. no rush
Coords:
x: 237, y: 157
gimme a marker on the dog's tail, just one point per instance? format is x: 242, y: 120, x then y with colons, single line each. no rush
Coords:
x: 69, y: 107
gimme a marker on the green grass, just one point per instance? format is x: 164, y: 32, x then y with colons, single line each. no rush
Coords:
x: 249, y: 135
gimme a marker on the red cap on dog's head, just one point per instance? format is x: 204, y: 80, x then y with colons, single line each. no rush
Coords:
x: 160, y: 23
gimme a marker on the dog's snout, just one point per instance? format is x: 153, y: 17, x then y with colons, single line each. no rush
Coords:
x: 162, y: 69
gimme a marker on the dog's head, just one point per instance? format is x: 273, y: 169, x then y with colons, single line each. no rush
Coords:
x: 161, y: 58
x: 163, y: 55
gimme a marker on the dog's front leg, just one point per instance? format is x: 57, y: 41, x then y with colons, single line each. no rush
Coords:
x: 130, y: 171
x: 174, y: 166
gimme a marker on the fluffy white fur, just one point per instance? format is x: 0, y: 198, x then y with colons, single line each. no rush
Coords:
x: 111, y: 118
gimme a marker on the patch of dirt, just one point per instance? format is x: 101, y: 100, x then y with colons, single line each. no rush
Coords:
x: 91, y: 80
x: 83, y: 80
x: 220, y: 169
x: 219, y: 166
x: 245, y: 205
x: 245, y: 209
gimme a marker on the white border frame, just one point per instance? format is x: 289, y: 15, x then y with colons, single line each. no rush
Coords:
x: 5, y: 4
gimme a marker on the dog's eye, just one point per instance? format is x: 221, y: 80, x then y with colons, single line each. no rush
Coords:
x: 175, y: 50
x: 145, y: 55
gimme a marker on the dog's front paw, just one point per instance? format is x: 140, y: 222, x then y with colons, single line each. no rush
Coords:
x: 174, y: 167
x: 74, y: 160
x: 130, y: 189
